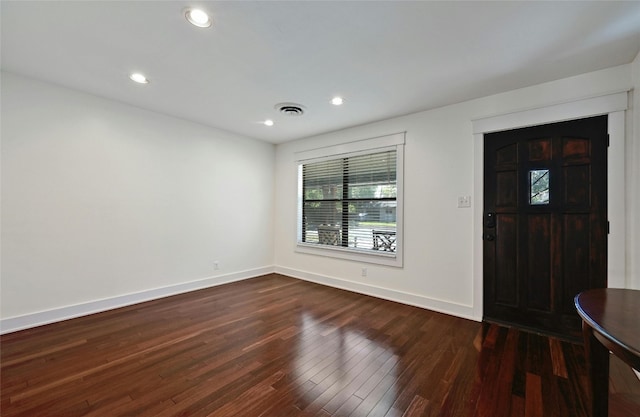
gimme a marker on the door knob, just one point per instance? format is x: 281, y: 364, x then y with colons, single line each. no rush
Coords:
x: 489, y: 237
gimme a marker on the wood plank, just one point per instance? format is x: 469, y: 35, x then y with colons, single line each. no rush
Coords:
x: 557, y: 358
x: 533, y: 398
x: 416, y: 407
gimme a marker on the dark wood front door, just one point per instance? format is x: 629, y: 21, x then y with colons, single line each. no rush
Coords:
x: 545, y: 222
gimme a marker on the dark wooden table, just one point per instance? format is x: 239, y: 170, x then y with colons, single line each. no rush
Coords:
x: 610, y: 322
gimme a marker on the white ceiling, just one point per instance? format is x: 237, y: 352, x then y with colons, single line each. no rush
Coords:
x: 386, y: 58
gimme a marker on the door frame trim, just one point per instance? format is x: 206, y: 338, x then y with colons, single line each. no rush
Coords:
x: 614, y: 105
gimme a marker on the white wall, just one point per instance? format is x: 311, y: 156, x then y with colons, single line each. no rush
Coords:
x: 633, y: 182
x: 102, y: 200
x: 439, y: 166
x: 105, y: 204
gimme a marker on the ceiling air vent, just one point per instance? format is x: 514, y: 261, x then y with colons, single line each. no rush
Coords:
x: 290, y: 109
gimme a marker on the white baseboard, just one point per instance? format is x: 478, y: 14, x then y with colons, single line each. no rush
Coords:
x: 440, y: 306
x: 13, y: 324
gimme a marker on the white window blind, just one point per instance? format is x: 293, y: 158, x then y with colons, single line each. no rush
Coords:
x: 349, y: 202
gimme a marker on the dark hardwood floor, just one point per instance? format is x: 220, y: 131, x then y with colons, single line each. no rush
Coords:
x: 277, y: 346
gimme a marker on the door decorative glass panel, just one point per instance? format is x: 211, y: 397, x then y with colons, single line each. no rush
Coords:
x: 539, y: 186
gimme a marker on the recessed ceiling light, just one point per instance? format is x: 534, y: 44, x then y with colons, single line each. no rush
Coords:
x: 268, y: 122
x: 337, y: 101
x: 139, y: 78
x: 198, y: 18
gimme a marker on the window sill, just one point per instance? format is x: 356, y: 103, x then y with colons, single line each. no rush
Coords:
x: 367, y: 256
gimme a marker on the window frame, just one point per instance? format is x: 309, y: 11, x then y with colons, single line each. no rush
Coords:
x: 350, y: 149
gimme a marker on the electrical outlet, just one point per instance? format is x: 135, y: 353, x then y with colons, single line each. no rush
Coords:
x: 364, y: 272
x: 216, y: 265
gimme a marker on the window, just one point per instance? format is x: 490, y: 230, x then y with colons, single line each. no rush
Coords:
x: 539, y: 186
x: 350, y: 201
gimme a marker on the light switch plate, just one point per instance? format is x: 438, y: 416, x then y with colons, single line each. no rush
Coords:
x: 464, y: 201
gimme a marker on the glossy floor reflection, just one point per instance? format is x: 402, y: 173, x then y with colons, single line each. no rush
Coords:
x: 276, y: 346
x: 351, y: 368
